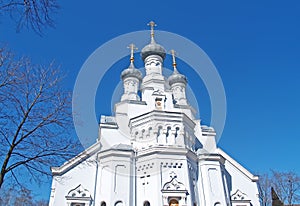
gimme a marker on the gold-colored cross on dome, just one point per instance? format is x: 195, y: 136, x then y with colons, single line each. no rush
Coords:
x: 173, y: 52
x: 152, y: 25
x: 132, y: 47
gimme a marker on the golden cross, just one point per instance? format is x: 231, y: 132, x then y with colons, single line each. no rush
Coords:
x: 132, y: 48
x: 173, y: 52
x: 152, y: 25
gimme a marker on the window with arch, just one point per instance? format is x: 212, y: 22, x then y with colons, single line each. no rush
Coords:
x: 103, y: 203
x: 119, y: 203
x: 146, y: 203
x: 173, y: 202
x: 77, y: 204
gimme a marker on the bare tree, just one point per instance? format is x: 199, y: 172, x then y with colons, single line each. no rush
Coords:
x: 35, y: 114
x: 287, y: 186
x: 19, y: 197
x: 264, y: 185
x: 34, y: 14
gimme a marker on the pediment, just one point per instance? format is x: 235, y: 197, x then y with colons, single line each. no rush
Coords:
x: 78, y: 192
x: 174, y: 184
x: 239, y: 196
x: 158, y: 93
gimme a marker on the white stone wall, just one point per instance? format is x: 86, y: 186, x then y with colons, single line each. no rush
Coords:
x: 239, y: 180
x: 83, y: 174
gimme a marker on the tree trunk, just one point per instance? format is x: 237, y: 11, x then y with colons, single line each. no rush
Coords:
x: 4, y: 165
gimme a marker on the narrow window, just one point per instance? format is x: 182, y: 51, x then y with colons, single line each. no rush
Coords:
x: 146, y: 203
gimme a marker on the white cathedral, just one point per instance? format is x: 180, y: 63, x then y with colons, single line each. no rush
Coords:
x: 153, y: 151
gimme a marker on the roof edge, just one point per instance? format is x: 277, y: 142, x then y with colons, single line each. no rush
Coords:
x: 75, y: 160
x: 237, y: 165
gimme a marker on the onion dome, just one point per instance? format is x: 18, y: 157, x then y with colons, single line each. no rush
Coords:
x: 176, y: 77
x: 153, y: 48
x: 131, y: 71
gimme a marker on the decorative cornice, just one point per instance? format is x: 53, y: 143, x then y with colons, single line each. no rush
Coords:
x: 161, y: 116
x: 170, y: 150
x: 116, y: 152
x: 211, y: 157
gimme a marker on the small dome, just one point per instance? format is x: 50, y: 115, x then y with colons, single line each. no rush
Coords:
x: 176, y: 77
x: 131, y: 72
x: 153, y: 49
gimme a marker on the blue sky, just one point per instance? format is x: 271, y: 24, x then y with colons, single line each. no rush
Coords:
x: 254, y: 45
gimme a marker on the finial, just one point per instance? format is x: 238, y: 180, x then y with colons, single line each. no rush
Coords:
x: 173, y: 53
x: 152, y: 25
x: 132, y: 48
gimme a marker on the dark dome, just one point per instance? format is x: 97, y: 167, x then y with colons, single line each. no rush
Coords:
x: 153, y: 49
x: 131, y: 72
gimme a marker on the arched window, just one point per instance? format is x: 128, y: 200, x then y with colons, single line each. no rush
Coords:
x: 103, y: 203
x: 173, y: 202
x: 77, y: 204
x: 146, y: 203
x: 119, y: 203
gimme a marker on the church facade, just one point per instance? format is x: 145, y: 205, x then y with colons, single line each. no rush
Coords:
x: 153, y: 151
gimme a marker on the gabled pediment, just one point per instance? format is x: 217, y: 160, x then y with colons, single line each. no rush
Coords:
x: 79, y: 196
x: 78, y: 192
x: 238, y: 195
x: 174, y: 184
x: 158, y: 93
x: 240, y: 198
